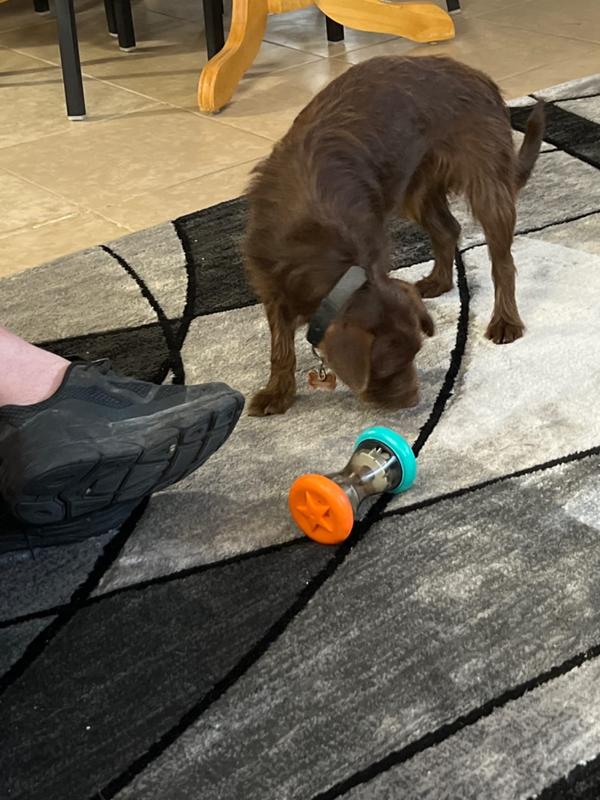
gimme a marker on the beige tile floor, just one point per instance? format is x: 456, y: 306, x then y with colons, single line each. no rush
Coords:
x: 145, y: 154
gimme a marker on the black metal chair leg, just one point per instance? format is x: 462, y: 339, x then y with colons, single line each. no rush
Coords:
x: 41, y: 6
x: 213, y: 26
x: 124, y: 22
x: 453, y: 5
x: 111, y: 17
x: 69, y: 58
x: 335, y: 31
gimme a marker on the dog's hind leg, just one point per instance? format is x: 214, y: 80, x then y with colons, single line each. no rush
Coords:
x: 493, y: 204
x: 443, y: 229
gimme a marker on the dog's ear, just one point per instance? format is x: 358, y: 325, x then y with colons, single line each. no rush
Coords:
x: 347, y: 350
x: 425, y: 321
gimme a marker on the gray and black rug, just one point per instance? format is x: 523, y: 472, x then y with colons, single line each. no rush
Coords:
x: 449, y: 649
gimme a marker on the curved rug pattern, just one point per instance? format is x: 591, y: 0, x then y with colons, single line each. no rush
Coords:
x: 449, y: 648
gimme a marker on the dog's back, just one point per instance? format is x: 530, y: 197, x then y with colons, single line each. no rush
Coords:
x: 377, y: 137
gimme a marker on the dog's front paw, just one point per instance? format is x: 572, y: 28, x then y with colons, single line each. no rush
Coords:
x: 500, y: 331
x: 432, y: 287
x: 266, y: 403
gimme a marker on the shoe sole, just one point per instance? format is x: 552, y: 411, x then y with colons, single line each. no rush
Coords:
x: 91, y: 487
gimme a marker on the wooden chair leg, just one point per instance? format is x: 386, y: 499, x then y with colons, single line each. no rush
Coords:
x: 41, y: 6
x: 419, y: 22
x: 335, y: 31
x: 220, y: 77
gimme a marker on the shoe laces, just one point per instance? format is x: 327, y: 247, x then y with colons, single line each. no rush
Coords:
x: 102, y: 365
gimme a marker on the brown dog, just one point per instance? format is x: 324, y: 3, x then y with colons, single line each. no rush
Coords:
x: 390, y: 136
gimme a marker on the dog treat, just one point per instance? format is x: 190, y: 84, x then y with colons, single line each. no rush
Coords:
x: 318, y: 379
x: 325, y: 506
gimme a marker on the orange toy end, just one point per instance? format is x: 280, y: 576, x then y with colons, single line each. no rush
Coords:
x: 321, y: 509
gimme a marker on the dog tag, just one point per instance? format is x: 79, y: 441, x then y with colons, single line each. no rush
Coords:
x: 320, y: 379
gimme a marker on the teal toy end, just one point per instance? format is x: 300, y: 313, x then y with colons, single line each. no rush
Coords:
x: 397, y: 445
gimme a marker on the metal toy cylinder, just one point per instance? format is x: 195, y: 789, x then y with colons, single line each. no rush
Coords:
x: 325, y: 506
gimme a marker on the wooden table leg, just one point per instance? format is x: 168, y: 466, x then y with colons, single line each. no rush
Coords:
x: 220, y: 77
x: 419, y: 22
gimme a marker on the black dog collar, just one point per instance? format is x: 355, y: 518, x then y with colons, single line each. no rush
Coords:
x: 330, y: 306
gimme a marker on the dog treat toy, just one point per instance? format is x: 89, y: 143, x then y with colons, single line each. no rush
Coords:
x: 325, y: 506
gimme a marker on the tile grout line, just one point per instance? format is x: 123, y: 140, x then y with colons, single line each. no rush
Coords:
x: 340, y: 55
x: 84, y: 208
x: 79, y: 208
x: 157, y: 102
x: 542, y: 66
x: 533, y: 31
x: 49, y: 19
x: 210, y: 174
x: 57, y: 66
x: 314, y: 58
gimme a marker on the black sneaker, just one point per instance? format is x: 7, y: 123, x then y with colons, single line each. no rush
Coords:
x: 77, y: 464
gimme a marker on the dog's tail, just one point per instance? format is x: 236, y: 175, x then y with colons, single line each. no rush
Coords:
x: 532, y: 142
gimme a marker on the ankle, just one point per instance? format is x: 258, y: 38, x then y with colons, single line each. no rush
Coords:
x: 30, y: 374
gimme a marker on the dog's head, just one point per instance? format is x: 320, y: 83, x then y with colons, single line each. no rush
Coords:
x: 372, y: 344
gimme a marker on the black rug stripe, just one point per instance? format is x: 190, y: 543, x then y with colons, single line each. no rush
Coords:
x: 303, y: 541
x: 456, y: 357
x: 128, y: 668
x: 14, y: 641
x: 167, y: 577
x: 538, y: 228
x: 165, y: 325
x: 569, y: 458
x: 575, y: 135
x: 444, y: 732
x: 191, y: 289
x: 140, y: 351
x: 210, y: 566
x: 34, y: 615
x: 111, y: 552
x: 212, y: 241
x: 582, y: 783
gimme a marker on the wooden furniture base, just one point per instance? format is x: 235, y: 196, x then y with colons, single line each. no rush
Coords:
x: 419, y: 22
x: 220, y: 77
